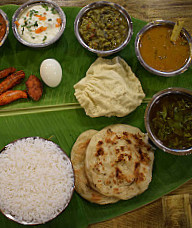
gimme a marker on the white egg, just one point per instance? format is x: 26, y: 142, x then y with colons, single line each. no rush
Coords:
x: 51, y: 72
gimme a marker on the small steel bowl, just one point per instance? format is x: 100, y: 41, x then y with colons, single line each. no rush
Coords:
x: 12, y: 217
x: 7, y: 27
x: 97, y: 5
x: 30, y: 3
x: 149, y: 110
x: 149, y: 68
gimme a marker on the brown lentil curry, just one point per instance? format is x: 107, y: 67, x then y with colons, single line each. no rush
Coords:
x: 159, y: 52
x: 171, y: 120
x: 103, y: 28
x: 2, y: 27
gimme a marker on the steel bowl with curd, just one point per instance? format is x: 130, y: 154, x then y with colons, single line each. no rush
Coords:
x: 38, y: 23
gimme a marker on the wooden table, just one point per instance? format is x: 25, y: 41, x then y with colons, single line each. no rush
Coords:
x: 174, y: 209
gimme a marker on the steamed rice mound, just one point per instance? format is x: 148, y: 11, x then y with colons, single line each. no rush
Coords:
x: 36, y: 180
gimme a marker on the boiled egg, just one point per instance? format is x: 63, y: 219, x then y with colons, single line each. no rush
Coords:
x: 51, y: 72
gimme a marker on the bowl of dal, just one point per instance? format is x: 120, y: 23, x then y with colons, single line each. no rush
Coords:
x: 168, y: 120
x: 158, y: 54
x: 37, y: 180
x: 4, y: 27
x: 103, y: 27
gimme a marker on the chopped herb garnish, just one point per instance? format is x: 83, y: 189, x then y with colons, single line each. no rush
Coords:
x: 36, y: 24
x: 45, y: 37
x: 25, y: 24
x: 22, y: 30
x: 53, y: 10
x: 49, y: 19
x: 45, y: 7
x: 33, y: 12
x: 33, y: 37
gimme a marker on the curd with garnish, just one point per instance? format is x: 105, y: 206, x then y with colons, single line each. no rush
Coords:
x: 39, y: 23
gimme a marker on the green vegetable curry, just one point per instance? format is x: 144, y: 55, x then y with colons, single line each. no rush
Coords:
x: 103, y: 28
x: 171, y: 120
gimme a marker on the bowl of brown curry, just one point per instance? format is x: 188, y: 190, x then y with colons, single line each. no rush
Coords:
x: 158, y: 54
x: 103, y: 27
x: 4, y: 27
x: 168, y: 120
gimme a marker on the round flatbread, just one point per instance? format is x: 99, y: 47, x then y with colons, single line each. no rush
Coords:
x: 81, y: 182
x: 119, y: 161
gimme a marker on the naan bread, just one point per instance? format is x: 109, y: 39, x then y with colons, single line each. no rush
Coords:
x: 78, y: 160
x: 110, y: 88
x: 119, y: 161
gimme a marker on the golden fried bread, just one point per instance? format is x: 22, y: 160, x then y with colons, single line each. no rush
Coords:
x: 119, y: 161
x: 78, y: 160
x: 110, y: 88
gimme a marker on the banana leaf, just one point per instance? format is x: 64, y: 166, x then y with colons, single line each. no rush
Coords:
x: 59, y: 115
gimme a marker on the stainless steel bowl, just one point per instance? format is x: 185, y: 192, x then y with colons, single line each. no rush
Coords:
x: 7, y: 27
x: 12, y: 217
x: 149, y: 110
x: 96, y: 5
x: 38, y: 2
x: 145, y: 65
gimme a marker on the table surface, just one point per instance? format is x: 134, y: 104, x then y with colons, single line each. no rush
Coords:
x: 172, y: 210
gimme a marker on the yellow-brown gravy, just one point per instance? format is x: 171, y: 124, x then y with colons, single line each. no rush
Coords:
x: 160, y: 53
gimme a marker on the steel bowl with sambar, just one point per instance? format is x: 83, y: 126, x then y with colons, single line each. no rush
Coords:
x: 168, y: 120
x: 159, y: 53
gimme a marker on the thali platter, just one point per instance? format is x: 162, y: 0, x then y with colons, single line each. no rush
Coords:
x: 59, y: 114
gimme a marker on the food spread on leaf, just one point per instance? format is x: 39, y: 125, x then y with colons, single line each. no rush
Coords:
x: 114, y: 163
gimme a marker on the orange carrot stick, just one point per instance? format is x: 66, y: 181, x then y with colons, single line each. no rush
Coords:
x: 40, y: 29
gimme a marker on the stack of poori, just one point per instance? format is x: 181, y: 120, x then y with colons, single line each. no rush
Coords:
x: 112, y: 164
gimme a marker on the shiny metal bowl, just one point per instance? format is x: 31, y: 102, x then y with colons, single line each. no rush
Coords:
x: 12, y: 217
x: 155, y: 99
x: 7, y: 27
x: 145, y: 65
x: 38, y: 2
x: 96, y: 5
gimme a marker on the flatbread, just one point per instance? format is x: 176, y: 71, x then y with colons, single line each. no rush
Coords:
x: 110, y: 88
x: 119, y: 161
x: 81, y: 182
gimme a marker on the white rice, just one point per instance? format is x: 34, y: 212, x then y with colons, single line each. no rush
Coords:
x: 36, y: 180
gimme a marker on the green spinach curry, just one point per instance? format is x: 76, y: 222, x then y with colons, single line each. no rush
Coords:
x: 103, y: 28
x: 171, y: 120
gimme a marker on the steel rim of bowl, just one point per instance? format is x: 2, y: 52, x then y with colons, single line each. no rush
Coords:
x: 149, y: 68
x: 38, y: 2
x: 7, y: 27
x: 95, y: 5
x: 147, y: 121
x: 11, y: 217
